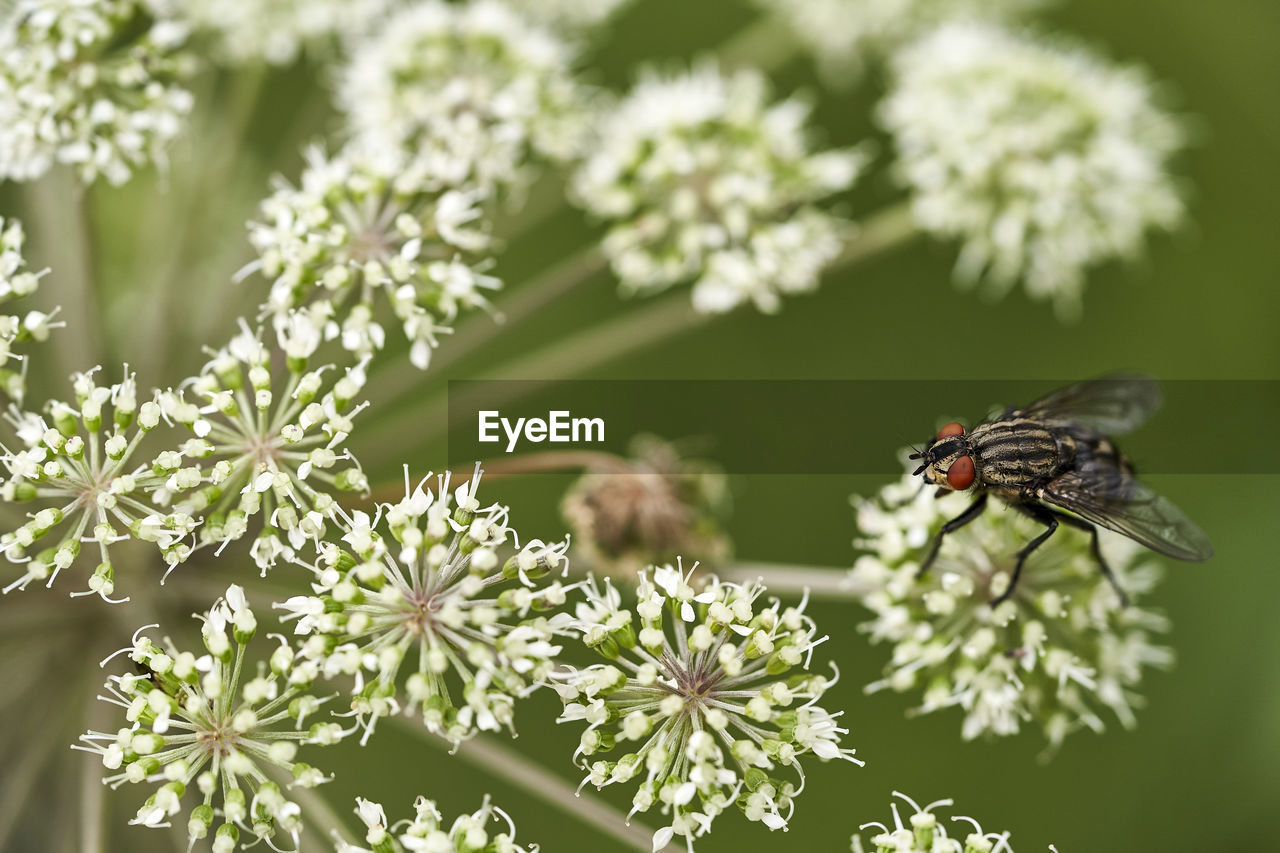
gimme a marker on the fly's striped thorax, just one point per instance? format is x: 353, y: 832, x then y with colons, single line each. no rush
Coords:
x: 1018, y: 452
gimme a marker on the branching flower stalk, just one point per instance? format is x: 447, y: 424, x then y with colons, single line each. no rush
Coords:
x: 704, y: 705
x: 268, y: 433
x: 18, y: 282
x: 410, y: 608
x: 219, y: 722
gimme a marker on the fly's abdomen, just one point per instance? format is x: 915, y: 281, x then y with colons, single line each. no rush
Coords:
x: 1017, y: 452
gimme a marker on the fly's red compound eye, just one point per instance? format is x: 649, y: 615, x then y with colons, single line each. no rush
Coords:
x: 960, y: 475
x: 950, y: 430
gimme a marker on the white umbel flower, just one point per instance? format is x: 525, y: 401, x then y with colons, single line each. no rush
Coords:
x: 703, y: 179
x: 1054, y: 654
x: 420, y: 610
x: 473, y: 87
x: 924, y: 833
x: 1041, y: 158
x: 81, y: 472
x: 428, y: 832
x: 362, y: 227
x: 843, y: 35
x: 705, y: 706
x: 273, y: 31
x: 268, y: 433
x: 17, y: 282
x: 216, y: 722
x: 90, y: 83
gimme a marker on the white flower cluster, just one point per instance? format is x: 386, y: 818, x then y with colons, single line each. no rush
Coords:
x: 265, y: 441
x: 1059, y: 647
x: 704, y: 705
x: 843, y: 34
x: 79, y: 467
x: 427, y: 832
x: 215, y: 721
x: 419, y: 619
x: 702, y: 178
x: 273, y: 31
x: 1042, y: 158
x: 924, y: 834
x: 473, y: 88
x: 90, y: 83
x: 16, y: 282
x: 361, y: 224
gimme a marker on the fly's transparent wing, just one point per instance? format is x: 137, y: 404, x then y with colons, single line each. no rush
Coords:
x: 1101, y: 491
x: 1109, y: 405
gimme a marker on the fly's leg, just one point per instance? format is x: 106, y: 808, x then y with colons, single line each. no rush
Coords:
x: 975, y: 509
x: 1049, y: 519
x: 1092, y: 529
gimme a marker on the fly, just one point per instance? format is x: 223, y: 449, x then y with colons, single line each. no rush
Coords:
x: 1055, y: 455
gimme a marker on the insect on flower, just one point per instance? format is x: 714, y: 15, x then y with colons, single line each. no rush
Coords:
x: 1054, y: 455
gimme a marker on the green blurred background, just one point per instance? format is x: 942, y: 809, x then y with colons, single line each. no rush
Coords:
x: 1201, y: 771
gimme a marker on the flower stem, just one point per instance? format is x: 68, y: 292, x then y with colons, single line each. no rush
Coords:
x: 510, y: 766
x: 318, y: 811
x: 762, y: 44
x: 819, y: 581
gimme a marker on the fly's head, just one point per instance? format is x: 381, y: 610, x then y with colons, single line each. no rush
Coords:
x: 947, y: 461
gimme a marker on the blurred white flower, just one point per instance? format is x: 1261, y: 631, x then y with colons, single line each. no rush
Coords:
x: 473, y: 88
x: 702, y: 178
x: 218, y: 721
x: 845, y: 34
x: 1040, y: 157
x: 79, y: 469
x: 90, y: 83
x: 364, y: 224
x: 273, y: 31
x: 418, y: 619
x: 16, y: 282
x: 922, y: 833
x: 703, y: 707
x: 569, y: 16
x: 1057, y: 650
x: 428, y: 832
x: 268, y: 439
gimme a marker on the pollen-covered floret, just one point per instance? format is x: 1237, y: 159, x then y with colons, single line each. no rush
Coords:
x: 474, y: 88
x: 1060, y: 649
x: 267, y: 433
x: 486, y: 830
x: 419, y: 608
x: 702, y: 178
x: 95, y: 84
x: 706, y: 701
x: 365, y: 226
x: 77, y: 467
x: 1040, y: 157
x: 216, y: 723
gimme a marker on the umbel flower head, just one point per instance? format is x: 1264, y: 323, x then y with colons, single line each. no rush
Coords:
x: 364, y: 225
x: 843, y: 34
x: 1042, y: 158
x: 647, y: 509
x: 78, y: 469
x: 428, y: 832
x: 272, y: 31
x: 223, y: 723
x: 16, y: 282
x: 421, y: 610
x: 473, y: 87
x: 268, y: 429
x: 1056, y: 653
x: 95, y: 85
x: 706, y: 701
x: 703, y: 179
x: 923, y: 833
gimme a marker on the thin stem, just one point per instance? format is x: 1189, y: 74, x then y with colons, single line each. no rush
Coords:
x: 319, y: 812
x: 820, y: 581
x: 887, y: 228
x: 510, y: 766
x: 764, y: 44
